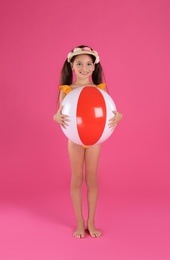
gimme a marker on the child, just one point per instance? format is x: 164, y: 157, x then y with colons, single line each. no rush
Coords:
x: 85, y: 62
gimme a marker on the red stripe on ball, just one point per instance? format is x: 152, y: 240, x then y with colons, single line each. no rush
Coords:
x: 90, y: 115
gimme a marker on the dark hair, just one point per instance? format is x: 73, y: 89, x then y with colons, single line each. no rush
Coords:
x: 67, y: 75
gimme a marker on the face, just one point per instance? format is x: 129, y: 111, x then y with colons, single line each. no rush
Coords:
x: 83, y: 66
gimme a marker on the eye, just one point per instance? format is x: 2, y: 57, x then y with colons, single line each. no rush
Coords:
x: 89, y: 64
x: 78, y: 64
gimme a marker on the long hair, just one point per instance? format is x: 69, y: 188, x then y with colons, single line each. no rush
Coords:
x: 67, y: 74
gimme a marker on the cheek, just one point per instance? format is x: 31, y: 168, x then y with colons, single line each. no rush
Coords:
x: 75, y: 68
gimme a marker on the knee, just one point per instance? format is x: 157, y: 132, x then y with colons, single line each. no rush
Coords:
x: 91, y: 182
x: 77, y: 181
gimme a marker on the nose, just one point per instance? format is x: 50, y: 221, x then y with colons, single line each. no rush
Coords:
x: 84, y: 67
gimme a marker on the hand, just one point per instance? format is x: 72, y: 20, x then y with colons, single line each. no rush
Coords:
x: 60, y: 118
x: 115, y: 120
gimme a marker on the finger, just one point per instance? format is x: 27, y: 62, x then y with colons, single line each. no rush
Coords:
x: 114, y: 112
x: 64, y: 123
x: 112, y: 123
x: 112, y: 126
x: 63, y: 126
x: 113, y: 118
x: 65, y: 117
x: 63, y: 120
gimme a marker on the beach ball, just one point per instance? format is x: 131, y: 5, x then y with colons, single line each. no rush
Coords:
x: 89, y: 109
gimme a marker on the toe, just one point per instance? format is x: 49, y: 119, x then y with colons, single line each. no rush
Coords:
x: 78, y: 235
x: 92, y: 234
x: 95, y: 233
x: 98, y: 234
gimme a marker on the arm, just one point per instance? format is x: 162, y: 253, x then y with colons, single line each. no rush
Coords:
x: 59, y: 117
x: 116, y: 119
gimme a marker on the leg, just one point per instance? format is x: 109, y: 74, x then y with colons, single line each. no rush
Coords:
x: 91, y: 159
x: 76, y: 155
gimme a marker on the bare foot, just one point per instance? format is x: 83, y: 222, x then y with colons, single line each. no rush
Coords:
x: 80, y: 231
x: 93, y: 231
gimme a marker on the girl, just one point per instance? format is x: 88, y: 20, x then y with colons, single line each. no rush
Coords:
x: 85, y: 62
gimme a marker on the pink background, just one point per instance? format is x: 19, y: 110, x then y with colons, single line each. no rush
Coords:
x: 36, y: 215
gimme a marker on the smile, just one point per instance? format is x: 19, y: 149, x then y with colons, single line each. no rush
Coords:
x: 84, y: 73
